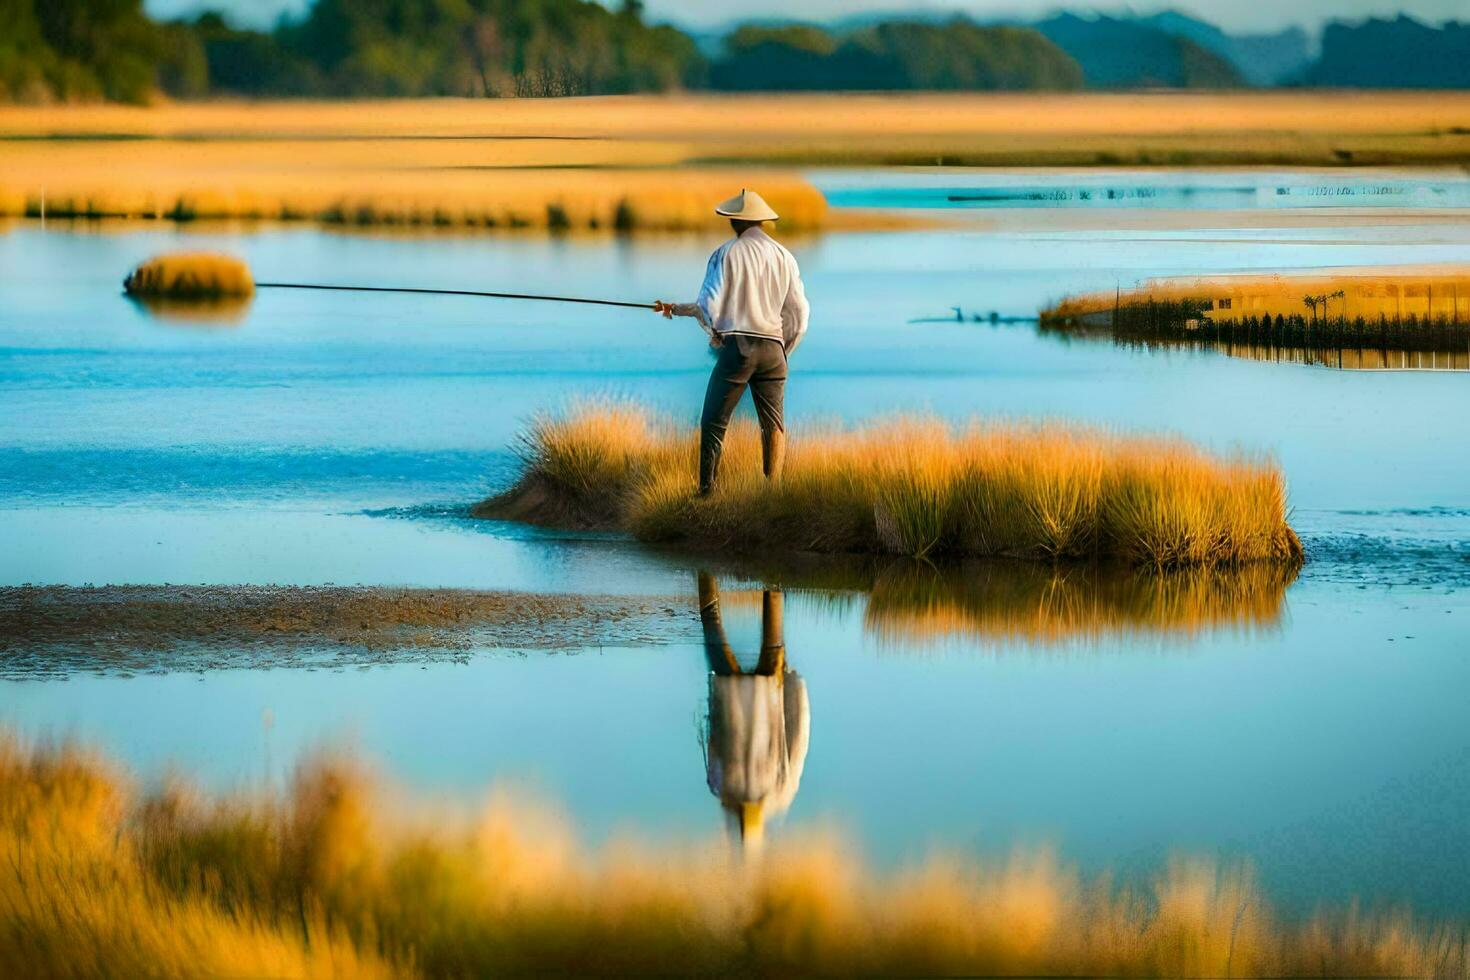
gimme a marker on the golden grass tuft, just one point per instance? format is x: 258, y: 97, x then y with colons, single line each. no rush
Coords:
x: 339, y: 878
x: 1436, y: 293
x: 912, y: 487
x: 191, y: 276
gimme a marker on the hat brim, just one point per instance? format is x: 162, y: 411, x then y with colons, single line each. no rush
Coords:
x: 767, y: 215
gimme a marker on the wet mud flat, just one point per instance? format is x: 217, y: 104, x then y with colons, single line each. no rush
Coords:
x: 51, y: 631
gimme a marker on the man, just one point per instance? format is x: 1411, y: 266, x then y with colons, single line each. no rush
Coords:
x: 754, y: 309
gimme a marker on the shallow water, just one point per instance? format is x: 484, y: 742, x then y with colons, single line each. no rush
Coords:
x: 338, y: 439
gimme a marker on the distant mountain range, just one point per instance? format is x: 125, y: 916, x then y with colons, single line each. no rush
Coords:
x: 1400, y: 53
x: 1115, y: 51
x: 1261, y: 59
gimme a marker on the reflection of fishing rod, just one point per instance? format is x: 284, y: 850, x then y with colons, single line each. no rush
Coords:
x: 216, y: 279
x: 452, y: 292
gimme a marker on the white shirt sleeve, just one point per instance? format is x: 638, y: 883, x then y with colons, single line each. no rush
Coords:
x: 712, y: 291
x: 795, y: 311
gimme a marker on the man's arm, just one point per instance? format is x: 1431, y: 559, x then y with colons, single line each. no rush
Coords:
x: 795, y: 311
x: 705, y: 307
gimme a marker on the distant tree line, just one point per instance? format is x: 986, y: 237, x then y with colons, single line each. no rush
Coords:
x: 1400, y: 53
x: 893, y: 55
x: 79, y: 50
x: 88, y: 49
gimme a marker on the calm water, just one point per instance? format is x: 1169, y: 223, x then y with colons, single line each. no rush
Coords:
x: 336, y: 438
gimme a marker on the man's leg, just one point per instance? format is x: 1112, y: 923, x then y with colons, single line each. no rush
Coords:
x: 773, y: 640
x: 768, y: 388
x: 716, y: 646
x: 726, y: 384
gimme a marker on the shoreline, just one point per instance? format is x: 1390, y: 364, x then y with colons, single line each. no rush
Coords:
x: 53, y: 630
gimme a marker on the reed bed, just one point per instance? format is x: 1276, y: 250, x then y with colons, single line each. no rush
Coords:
x: 916, y: 487
x: 426, y: 198
x: 992, y: 128
x: 632, y: 163
x: 339, y: 876
x: 1402, y: 310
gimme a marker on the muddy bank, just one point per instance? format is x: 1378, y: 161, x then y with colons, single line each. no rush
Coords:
x: 47, y: 631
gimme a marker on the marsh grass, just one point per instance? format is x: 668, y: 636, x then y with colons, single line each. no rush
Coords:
x: 914, y: 487
x: 1409, y: 309
x: 1331, y: 129
x: 445, y: 184
x: 624, y: 164
x: 338, y: 876
x: 214, y: 278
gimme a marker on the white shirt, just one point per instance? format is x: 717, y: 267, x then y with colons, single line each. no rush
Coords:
x: 752, y: 286
x: 759, y: 730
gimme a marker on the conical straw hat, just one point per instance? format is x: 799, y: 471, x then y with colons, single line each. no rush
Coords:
x: 747, y: 206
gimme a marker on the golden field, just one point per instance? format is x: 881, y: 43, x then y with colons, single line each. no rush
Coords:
x: 1002, y: 128
x: 911, y: 487
x: 655, y: 162
x: 338, y: 877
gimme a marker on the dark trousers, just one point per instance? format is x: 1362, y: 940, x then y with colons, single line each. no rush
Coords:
x: 744, y: 362
x: 717, y: 648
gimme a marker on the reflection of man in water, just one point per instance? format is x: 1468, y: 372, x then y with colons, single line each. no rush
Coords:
x: 758, y: 719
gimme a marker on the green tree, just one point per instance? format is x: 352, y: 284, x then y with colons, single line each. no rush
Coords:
x: 958, y: 55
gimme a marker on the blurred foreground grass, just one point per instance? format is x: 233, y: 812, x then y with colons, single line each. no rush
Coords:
x: 338, y: 877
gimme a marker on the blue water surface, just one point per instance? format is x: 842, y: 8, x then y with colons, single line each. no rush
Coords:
x: 340, y: 438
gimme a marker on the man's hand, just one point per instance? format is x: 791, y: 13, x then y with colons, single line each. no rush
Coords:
x: 667, y: 309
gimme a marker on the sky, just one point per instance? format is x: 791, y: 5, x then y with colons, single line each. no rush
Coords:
x: 1233, y: 15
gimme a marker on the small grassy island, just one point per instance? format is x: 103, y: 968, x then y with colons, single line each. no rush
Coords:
x: 1383, y: 309
x: 917, y: 487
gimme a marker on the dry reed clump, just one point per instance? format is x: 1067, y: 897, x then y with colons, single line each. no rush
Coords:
x: 910, y: 487
x: 1418, y: 309
x: 191, y: 276
x: 1431, y: 293
x: 338, y: 878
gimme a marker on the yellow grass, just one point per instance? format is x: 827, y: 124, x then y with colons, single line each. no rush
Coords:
x: 341, y: 878
x: 592, y: 199
x: 191, y: 275
x: 654, y: 162
x: 1439, y: 293
x: 910, y: 487
x: 1004, y: 128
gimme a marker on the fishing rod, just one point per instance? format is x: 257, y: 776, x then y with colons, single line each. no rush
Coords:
x: 210, y: 277
x: 453, y: 292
